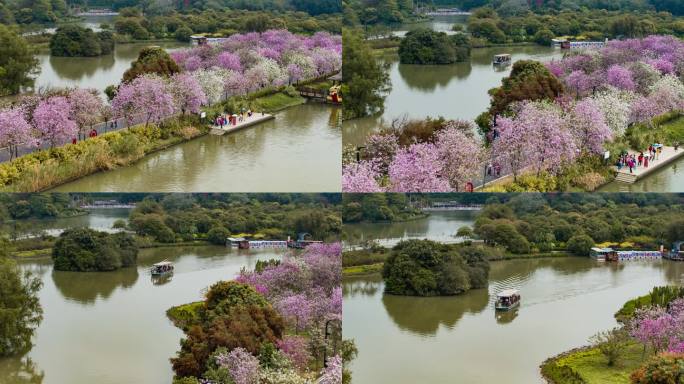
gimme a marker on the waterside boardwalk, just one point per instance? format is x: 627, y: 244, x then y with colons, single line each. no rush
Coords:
x: 248, y: 121
x: 667, y: 156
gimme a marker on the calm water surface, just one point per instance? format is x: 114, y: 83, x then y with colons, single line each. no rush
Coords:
x: 457, y: 91
x: 96, y: 323
x: 667, y: 179
x: 461, y: 339
x: 91, y: 72
x: 299, y: 151
x: 439, y: 226
x: 99, y: 219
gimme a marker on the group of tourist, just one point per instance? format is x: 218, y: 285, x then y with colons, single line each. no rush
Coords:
x: 633, y: 161
x: 234, y: 119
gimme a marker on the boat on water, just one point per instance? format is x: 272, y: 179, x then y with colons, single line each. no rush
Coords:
x: 502, y: 60
x: 507, y: 299
x: 162, y: 268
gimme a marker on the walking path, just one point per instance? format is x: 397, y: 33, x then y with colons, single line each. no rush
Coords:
x: 667, y: 156
x: 256, y: 118
x: 104, y: 127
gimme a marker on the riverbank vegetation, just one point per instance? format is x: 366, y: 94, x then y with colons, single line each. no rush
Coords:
x: 20, y: 309
x: 424, y: 46
x: 176, y: 218
x: 17, y: 63
x: 280, y: 324
x: 365, y: 81
x: 548, y: 126
x: 36, y: 206
x: 87, y: 250
x: 645, y: 349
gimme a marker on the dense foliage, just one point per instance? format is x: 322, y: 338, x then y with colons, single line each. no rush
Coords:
x: 17, y: 63
x: 20, y: 309
x: 374, y: 207
x: 268, y: 326
x: 427, y: 268
x: 174, y: 218
x: 36, y: 206
x: 546, y: 222
x: 87, y: 250
x: 75, y: 41
x: 425, y: 46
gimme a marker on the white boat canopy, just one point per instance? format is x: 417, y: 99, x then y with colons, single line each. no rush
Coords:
x: 507, y: 293
x: 163, y: 263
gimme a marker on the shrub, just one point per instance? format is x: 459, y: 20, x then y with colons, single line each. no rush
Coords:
x: 424, y: 46
x: 218, y: 235
x: 228, y: 294
x: 555, y: 373
x: 612, y: 344
x: 580, y: 245
x: 666, y: 368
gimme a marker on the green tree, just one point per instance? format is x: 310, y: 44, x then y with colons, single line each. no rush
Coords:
x: 365, y: 80
x: 218, y: 235
x: 427, y: 268
x: 73, y: 41
x: 151, y: 60
x: 580, y: 245
x: 183, y: 34
x: 424, y: 46
x: 20, y: 309
x: 544, y: 37
x: 529, y: 81
x: 17, y: 63
x: 84, y: 249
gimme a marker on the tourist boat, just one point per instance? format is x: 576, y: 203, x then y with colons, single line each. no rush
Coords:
x: 503, y: 60
x: 507, y: 300
x: 162, y: 268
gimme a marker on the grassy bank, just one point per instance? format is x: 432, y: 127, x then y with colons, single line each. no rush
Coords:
x: 588, y: 365
x: 46, y: 169
x: 185, y: 315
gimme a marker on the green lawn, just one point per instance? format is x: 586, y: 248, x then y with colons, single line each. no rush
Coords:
x: 674, y: 130
x: 592, y: 368
x: 276, y: 102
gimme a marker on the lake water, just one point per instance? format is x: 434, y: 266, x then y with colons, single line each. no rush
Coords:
x: 457, y: 91
x: 99, y: 219
x: 92, y: 72
x: 438, y: 226
x: 111, y: 327
x: 298, y: 151
x: 461, y: 339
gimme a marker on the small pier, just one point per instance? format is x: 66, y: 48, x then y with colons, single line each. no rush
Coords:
x: 248, y: 121
x: 667, y: 156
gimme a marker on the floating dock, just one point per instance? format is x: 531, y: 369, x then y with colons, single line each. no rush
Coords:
x: 667, y: 156
x: 256, y: 118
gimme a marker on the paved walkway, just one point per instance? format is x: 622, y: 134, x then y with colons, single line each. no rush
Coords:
x: 101, y: 128
x: 667, y: 155
x: 256, y: 118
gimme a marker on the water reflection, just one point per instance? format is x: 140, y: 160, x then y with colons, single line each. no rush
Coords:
x: 432, y: 76
x: 424, y: 315
x: 20, y: 370
x: 89, y: 287
x: 439, y: 226
x: 69, y: 68
x: 506, y: 317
